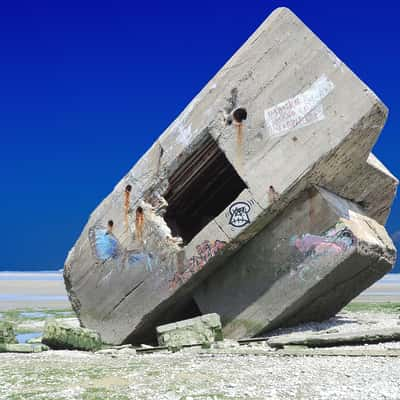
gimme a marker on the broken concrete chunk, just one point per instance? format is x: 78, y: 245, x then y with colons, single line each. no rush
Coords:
x: 36, y: 340
x: 305, y: 266
x: 22, y: 348
x: 202, y: 330
x: 58, y: 336
x: 336, y: 339
x: 7, y: 334
x: 261, y: 202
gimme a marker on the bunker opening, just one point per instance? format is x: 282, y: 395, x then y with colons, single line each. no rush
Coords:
x: 200, y: 189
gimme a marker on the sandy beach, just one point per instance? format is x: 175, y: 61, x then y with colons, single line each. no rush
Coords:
x: 22, y: 290
x: 224, y: 371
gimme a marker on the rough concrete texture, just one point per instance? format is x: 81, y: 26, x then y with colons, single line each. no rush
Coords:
x: 200, y: 330
x: 7, y: 334
x: 337, y: 339
x: 306, y: 265
x: 22, y: 348
x: 282, y: 118
x: 58, y: 336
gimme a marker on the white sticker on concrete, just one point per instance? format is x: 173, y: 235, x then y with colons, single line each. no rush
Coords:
x: 299, y: 111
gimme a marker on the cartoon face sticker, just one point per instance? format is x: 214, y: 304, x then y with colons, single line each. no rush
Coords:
x: 239, y: 214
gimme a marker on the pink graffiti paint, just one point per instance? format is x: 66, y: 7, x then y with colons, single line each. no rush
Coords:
x: 206, y: 250
x: 334, y: 241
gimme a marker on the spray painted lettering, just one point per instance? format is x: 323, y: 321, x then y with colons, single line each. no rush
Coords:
x: 299, y: 111
x: 239, y: 214
x: 206, y: 250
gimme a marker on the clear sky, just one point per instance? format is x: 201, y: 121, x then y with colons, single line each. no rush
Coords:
x: 86, y: 87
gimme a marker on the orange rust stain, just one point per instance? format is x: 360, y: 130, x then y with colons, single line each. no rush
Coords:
x: 239, y: 143
x: 139, y: 224
x: 127, y: 204
x: 273, y: 195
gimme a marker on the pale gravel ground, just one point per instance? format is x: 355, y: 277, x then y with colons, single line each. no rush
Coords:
x: 75, y: 375
x: 346, y: 321
x: 191, y: 374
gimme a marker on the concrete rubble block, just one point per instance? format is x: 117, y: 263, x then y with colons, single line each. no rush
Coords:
x: 284, y: 115
x: 36, y: 340
x: 305, y: 266
x: 22, y: 348
x: 369, y: 184
x: 336, y: 339
x: 7, y: 334
x: 205, y: 329
x: 58, y: 336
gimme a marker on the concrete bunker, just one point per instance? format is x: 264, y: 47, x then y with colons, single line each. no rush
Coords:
x: 275, y: 246
x: 200, y: 189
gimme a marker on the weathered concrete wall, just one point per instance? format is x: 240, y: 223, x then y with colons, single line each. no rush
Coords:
x: 310, y: 120
x: 202, y: 330
x: 306, y: 265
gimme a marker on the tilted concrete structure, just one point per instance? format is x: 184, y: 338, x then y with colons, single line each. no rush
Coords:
x: 261, y: 201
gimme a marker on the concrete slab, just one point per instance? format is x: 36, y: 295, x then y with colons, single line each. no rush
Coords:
x: 282, y: 115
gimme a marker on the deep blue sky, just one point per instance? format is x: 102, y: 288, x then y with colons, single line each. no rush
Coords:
x: 86, y: 87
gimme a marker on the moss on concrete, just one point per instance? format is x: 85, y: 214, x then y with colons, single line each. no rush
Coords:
x: 7, y: 334
x: 58, y: 336
x: 385, y: 307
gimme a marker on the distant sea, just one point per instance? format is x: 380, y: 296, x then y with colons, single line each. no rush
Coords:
x: 24, y: 288
x: 31, y: 276
x: 44, y: 288
x: 29, y: 269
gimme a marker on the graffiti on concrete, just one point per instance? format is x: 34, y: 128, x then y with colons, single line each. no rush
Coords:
x: 205, y: 251
x: 302, y: 110
x: 239, y: 214
x: 106, y: 248
x: 334, y: 241
x: 104, y: 244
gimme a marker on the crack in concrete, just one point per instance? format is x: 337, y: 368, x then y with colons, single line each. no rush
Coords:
x: 123, y: 298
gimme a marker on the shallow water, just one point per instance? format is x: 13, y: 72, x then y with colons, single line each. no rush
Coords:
x: 34, y: 314
x: 24, y: 337
x: 25, y: 297
x: 31, y: 276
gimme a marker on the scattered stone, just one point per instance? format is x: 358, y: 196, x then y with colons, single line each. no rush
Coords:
x: 203, y: 330
x: 297, y: 351
x: 146, y: 346
x: 22, y: 348
x: 124, y: 346
x: 110, y: 351
x: 7, y: 334
x: 36, y: 340
x: 115, y: 352
x: 336, y: 339
x: 149, y: 350
x: 58, y: 336
x: 225, y: 344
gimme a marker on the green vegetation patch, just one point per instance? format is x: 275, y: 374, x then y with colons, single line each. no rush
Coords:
x: 385, y: 307
x: 36, y: 314
x: 100, y: 393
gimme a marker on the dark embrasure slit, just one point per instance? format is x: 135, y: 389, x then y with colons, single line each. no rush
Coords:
x: 200, y: 189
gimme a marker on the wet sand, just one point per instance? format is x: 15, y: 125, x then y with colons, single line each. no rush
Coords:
x: 385, y: 290
x: 32, y: 290
x: 47, y: 290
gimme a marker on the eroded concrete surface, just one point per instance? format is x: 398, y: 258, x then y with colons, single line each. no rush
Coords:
x: 265, y: 180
